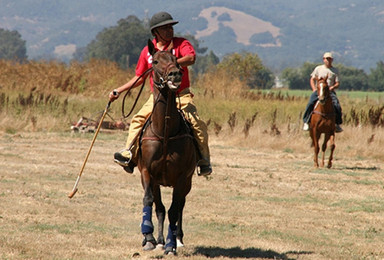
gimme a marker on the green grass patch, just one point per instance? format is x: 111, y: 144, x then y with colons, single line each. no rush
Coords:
x: 369, y: 205
x: 44, y: 227
x: 10, y: 130
x: 274, y: 234
x: 304, y: 199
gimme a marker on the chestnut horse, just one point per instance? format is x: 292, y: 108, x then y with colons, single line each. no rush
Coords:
x: 323, y: 121
x: 167, y: 155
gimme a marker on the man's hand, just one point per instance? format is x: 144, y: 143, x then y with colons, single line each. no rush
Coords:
x: 113, y: 95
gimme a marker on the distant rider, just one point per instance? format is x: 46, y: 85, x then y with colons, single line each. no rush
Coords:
x: 322, y: 71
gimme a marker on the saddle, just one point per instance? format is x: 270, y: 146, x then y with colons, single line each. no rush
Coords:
x: 188, y: 126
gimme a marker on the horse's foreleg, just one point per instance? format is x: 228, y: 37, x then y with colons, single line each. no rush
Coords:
x: 316, y: 156
x: 323, y: 149
x: 160, y: 214
x: 332, y: 147
x: 316, y: 148
x: 149, y: 242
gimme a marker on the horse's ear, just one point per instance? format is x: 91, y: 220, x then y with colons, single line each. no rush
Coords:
x: 151, y: 47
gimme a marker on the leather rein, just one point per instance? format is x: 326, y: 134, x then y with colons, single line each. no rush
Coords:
x: 143, y: 75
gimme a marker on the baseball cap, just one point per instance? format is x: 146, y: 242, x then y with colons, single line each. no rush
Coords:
x: 328, y: 55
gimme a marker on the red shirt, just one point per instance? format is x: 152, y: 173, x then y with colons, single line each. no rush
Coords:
x: 181, y: 47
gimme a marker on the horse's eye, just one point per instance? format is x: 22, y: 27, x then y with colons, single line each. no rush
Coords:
x: 155, y: 62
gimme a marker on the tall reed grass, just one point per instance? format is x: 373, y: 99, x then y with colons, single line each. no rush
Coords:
x: 50, y: 96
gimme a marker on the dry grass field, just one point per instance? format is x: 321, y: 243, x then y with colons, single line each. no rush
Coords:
x: 264, y: 200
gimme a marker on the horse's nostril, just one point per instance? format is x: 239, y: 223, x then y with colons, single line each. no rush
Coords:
x: 174, y: 73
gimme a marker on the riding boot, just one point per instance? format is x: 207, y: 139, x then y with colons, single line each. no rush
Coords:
x: 204, y: 162
x: 204, y: 158
x: 199, y: 129
x: 309, y: 108
x: 205, y: 170
x: 127, y: 157
x: 124, y: 159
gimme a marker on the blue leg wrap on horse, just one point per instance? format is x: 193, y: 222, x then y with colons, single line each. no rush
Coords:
x: 171, y: 237
x: 146, y: 225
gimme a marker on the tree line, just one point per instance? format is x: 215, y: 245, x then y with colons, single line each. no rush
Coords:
x: 123, y: 42
x: 12, y: 46
x: 350, y: 78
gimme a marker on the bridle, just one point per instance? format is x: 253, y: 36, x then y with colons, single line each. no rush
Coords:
x: 164, y: 76
x: 321, y: 94
x: 165, y: 82
x: 159, y: 85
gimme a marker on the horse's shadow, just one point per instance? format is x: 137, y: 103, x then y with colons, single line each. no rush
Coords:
x: 248, y: 253
x: 356, y: 168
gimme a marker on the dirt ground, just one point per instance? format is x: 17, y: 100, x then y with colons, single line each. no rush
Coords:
x: 260, y: 203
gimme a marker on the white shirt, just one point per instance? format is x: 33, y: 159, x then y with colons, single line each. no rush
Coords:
x: 322, y: 71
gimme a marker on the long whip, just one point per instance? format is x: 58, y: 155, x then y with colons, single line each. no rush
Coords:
x: 74, y: 190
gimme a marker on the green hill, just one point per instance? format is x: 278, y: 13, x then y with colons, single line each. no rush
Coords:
x: 283, y: 33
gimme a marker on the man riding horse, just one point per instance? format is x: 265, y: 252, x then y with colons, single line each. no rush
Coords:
x: 322, y: 71
x: 161, y: 25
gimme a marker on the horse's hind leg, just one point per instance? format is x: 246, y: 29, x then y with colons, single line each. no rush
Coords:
x: 173, y: 217
x: 179, y: 231
x: 332, y: 147
x: 180, y: 234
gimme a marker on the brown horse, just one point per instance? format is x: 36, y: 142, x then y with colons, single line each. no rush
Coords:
x: 167, y: 154
x: 323, y: 121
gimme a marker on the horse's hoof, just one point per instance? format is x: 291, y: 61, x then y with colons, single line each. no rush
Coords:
x: 170, y: 251
x: 179, y: 243
x: 149, y: 246
x: 160, y: 246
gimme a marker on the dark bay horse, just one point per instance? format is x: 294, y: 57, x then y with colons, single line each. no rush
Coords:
x: 167, y: 154
x: 323, y: 122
